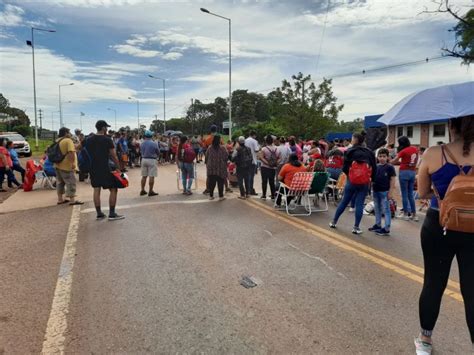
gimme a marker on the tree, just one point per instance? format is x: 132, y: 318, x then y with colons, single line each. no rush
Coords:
x: 248, y: 107
x: 351, y: 126
x: 464, y: 32
x: 20, y: 118
x: 302, y: 109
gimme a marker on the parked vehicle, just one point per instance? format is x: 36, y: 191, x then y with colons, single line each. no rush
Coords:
x: 20, y: 143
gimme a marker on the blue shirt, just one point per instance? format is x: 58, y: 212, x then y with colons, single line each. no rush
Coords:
x: 123, y: 143
x: 14, y: 156
x: 383, y: 176
x: 149, y: 149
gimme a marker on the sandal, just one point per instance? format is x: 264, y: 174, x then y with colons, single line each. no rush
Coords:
x: 76, y: 203
x: 62, y: 202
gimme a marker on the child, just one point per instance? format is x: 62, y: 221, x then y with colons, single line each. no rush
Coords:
x: 383, y: 184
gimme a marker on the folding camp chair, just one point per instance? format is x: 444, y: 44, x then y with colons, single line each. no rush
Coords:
x: 45, y: 180
x: 337, y: 188
x: 299, y: 188
x: 318, y: 191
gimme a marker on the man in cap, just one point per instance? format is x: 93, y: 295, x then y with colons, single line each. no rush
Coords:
x: 101, y: 148
x: 150, y: 152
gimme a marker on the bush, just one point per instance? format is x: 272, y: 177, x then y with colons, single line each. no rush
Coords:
x: 23, y: 130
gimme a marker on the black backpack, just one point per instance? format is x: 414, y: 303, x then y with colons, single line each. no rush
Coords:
x: 245, y: 158
x: 54, y: 152
x: 84, y: 159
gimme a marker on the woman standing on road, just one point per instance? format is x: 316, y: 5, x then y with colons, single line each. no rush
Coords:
x: 439, y: 166
x: 216, y: 165
x: 407, y: 157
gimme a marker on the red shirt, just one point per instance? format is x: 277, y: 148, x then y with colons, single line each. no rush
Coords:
x: 6, y: 153
x: 335, y: 162
x: 408, y: 158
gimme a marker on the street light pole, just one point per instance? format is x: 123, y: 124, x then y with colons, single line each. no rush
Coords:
x: 138, y: 112
x: 230, y: 65
x: 164, y: 99
x: 61, y: 122
x: 115, y: 113
x: 32, y: 44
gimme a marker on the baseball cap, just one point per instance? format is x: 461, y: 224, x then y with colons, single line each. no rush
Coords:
x: 101, y: 124
x: 148, y: 133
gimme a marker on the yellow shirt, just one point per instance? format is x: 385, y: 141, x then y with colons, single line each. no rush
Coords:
x: 66, y: 145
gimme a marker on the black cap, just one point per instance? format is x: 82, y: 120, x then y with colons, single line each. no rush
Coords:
x: 101, y: 124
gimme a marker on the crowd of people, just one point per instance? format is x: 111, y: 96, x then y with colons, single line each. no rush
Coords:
x: 364, y: 173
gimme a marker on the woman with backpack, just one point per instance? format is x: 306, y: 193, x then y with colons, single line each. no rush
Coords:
x: 269, y: 156
x: 407, y: 157
x: 360, y: 167
x: 185, y: 160
x: 242, y: 157
x: 448, y: 229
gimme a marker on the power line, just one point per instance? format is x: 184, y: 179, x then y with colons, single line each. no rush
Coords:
x: 322, y: 38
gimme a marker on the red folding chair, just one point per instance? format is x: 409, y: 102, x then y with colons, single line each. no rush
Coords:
x: 299, y: 188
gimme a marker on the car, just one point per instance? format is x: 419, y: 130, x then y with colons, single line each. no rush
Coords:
x: 20, y: 143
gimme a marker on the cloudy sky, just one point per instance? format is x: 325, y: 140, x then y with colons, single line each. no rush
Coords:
x: 108, y: 47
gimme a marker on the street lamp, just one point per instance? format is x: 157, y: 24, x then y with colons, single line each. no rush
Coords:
x: 138, y: 111
x: 164, y: 99
x: 61, y: 123
x: 230, y: 66
x: 115, y: 113
x: 32, y: 44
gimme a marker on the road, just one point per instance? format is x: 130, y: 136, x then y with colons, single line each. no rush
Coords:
x: 166, y: 279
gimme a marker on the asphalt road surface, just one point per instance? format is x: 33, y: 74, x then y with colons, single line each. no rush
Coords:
x: 167, y: 280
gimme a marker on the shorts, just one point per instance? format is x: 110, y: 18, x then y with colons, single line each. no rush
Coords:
x: 149, y: 167
x: 66, y: 182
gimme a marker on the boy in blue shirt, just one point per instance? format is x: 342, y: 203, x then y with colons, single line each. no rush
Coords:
x: 382, y: 186
x: 16, y: 164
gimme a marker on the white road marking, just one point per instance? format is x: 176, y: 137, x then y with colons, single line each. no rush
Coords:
x: 321, y: 260
x: 144, y: 204
x: 57, y: 323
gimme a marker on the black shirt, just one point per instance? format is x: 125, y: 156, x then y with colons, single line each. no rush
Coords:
x: 384, y: 174
x: 99, y: 147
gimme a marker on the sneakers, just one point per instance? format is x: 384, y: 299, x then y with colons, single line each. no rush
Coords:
x: 221, y: 198
x: 374, y: 228
x: 414, y: 218
x: 383, y: 232
x: 422, y: 347
x: 356, y: 230
x: 152, y: 193
x: 241, y: 197
x: 263, y: 197
x: 351, y: 209
x: 211, y: 198
x: 115, y: 217
x: 332, y: 225
x: 406, y: 217
x: 100, y: 216
x: 142, y: 193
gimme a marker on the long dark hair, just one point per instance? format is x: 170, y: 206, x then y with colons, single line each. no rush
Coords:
x: 464, y: 127
x: 403, y: 142
x: 182, y: 140
x: 294, y: 160
x: 216, y: 142
x: 360, y: 137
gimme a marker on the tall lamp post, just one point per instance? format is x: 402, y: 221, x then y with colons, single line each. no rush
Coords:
x: 32, y: 44
x: 164, y: 99
x: 115, y: 113
x: 138, y: 111
x: 61, y: 122
x: 230, y: 65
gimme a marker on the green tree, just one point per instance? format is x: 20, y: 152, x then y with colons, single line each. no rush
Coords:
x: 20, y: 117
x: 351, y: 126
x: 249, y: 107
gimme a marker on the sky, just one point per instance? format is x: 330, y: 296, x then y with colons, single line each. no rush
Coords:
x: 107, y: 48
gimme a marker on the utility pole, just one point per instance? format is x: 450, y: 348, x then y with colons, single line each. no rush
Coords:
x: 40, y: 111
x: 192, y: 117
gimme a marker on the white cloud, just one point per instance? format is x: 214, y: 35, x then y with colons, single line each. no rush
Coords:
x: 136, y: 51
x: 172, y: 56
x: 11, y: 16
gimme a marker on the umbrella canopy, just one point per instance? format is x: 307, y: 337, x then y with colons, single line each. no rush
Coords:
x: 434, y: 104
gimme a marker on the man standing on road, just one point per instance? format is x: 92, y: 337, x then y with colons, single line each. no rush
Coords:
x: 252, y: 143
x: 101, y: 149
x: 150, y: 152
x: 66, y: 169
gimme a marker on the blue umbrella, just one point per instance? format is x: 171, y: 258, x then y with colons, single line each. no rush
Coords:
x: 434, y: 104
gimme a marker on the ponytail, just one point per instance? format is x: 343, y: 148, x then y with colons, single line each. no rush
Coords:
x: 464, y: 127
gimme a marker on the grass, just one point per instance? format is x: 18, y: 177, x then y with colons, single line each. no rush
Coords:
x: 42, y: 145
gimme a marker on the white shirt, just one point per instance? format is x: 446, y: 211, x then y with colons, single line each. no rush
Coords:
x: 254, y: 148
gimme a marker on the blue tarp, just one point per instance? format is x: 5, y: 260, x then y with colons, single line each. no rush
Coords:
x: 371, y: 121
x: 331, y: 136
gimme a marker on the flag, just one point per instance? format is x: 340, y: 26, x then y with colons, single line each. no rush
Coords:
x: 83, y: 114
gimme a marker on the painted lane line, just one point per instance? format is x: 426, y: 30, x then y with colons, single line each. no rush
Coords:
x: 453, y: 284
x: 144, y: 204
x: 55, y: 336
x: 330, y: 237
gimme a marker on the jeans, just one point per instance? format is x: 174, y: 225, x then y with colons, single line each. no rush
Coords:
x: 213, y: 180
x: 10, y: 177
x: 438, y: 253
x: 19, y: 168
x: 407, y: 182
x: 358, y: 192
x: 252, y: 171
x: 243, y: 179
x: 381, y: 204
x: 268, y: 176
x: 187, y: 175
x: 334, y: 173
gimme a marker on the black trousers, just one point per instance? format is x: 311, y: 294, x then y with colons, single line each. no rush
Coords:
x: 243, y: 178
x: 438, y: 253
x: 268, y: 177
x: 213, y: 180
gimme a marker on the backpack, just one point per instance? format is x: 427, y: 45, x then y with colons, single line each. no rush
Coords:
x: 84, y: 160
x: 360, y: 173
x: 189, y: 155
x: 244, y: 157
x: 54, y: 152
x: 456, y: 209
x: 272, y: 160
